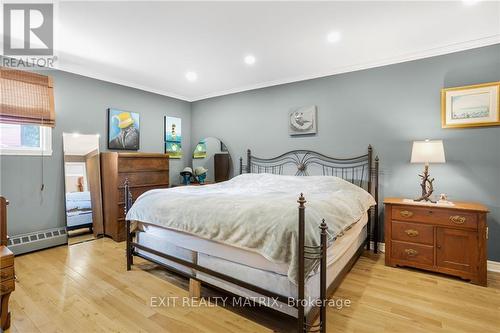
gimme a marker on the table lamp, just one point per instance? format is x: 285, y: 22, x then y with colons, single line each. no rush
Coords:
x: 428, y: 151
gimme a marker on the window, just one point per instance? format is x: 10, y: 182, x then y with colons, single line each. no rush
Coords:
x: 27, y: 113
x: 17, y: 139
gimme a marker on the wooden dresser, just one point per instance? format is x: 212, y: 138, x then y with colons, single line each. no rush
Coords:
x: 444, y: 239
x: 7, y: 277
x: 144, y: 172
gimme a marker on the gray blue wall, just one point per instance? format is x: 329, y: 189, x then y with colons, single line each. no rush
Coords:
x: 387, y: 107
x: 81, y: 105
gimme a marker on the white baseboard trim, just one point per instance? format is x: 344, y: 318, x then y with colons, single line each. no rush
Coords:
x: 381, y: 246
x: 493, y: 266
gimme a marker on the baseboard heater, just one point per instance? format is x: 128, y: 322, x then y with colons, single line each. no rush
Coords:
x: 37, y: 240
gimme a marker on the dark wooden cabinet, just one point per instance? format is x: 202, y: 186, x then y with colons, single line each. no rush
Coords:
x: 444, y: 239
x: 221, y: 167
x: 143, y: 171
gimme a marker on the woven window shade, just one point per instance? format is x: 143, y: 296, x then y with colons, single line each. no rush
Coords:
x: 26, y: 98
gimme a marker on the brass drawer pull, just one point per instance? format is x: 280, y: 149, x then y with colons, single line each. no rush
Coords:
x: 406, y: 213
x: 457, y: 219
x: 411, y: 252
x: 411, y: 233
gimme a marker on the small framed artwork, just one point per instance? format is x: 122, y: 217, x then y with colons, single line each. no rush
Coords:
x: 201, y: 149
x: 471, y: 106
x: 123, y: 129
x: 302, y: 121
x: 173, y: 137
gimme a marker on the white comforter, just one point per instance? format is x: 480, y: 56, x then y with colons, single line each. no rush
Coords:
x: 257, y: 212
x: 78, y: 200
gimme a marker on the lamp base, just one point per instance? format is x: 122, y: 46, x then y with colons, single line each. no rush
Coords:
x: 424, y: 199
x: 426, y: 185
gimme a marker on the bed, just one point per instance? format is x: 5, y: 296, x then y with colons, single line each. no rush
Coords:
x: 247, y: 237
x: 78, y: 210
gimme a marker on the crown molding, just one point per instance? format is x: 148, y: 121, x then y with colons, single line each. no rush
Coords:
x: 433, y: 52
x: 125, y: 83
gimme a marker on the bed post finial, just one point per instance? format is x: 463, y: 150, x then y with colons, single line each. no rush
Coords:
x: 301, y: 200
x: 301, y: 278
x: 249, y: 162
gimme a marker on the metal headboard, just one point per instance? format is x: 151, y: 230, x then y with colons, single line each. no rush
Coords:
x: 361, y: 170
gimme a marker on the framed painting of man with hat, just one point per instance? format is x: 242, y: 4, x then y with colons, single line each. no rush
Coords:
x: 123, y: 129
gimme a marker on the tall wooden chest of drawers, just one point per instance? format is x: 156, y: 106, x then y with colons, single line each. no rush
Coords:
x: 444, y: 239
x: 144, y: 172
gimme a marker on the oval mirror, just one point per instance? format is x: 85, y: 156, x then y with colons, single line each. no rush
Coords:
x: 212, y: 155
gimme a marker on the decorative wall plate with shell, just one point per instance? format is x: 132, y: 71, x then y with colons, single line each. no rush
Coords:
x: 302, y: 121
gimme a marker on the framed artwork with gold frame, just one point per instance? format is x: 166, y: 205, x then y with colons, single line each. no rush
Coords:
x: 471, y: 106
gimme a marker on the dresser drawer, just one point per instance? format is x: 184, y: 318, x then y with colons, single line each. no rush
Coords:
x: 7, y: 273
x: 7, y: 286
x: 144, y: 178
x: 413, y: 232
x: 445, y: 217
x: 137, y: 191
x: 142, y: 164
x: 7, y: 260
x: 417, y: 253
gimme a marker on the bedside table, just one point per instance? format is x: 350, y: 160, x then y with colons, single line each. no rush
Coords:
x: 7, y: 284
x: 438, y: 238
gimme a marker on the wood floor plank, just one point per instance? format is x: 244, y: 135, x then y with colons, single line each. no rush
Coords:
x: 86, y: 288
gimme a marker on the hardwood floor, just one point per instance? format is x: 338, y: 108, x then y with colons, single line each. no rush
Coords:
x: 85, y: 288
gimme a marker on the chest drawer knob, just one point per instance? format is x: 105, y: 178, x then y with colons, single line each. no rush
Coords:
x: 457, y: 219
x: 411, y: 232
x: 406, y: 213
x: 411, y: 252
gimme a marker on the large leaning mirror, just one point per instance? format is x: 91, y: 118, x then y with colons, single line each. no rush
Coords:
x: 82, y: 179
x: 212, y: 155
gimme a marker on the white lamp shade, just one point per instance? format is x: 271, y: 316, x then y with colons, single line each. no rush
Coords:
x: 428, y: 152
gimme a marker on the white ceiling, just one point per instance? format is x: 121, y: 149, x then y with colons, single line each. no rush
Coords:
x: 151, y: 45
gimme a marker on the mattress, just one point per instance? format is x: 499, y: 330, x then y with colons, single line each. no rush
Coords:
x: 239, y: 255
x: 229, y: 260
x: 257, y: 212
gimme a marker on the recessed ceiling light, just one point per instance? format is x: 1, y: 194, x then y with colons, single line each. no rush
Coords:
x: 249, y: 59
x: 191, y: 76
x: 333, y: 37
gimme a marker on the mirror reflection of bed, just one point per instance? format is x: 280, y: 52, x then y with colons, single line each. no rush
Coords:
x: 82, y: 181
x: 213, y: 155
